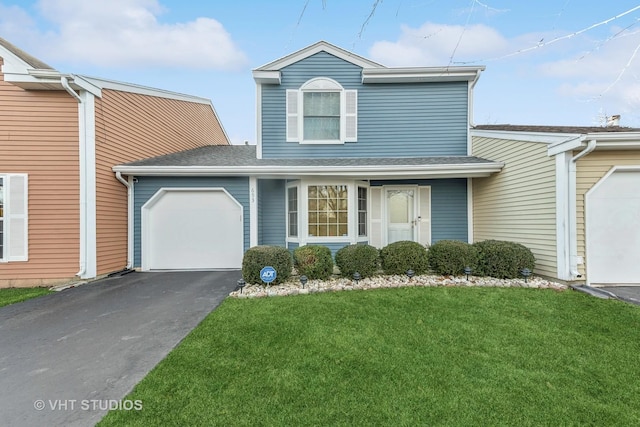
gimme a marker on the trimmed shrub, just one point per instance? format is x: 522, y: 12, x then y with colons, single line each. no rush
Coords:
x: 258, y: 257
x: 398, y: 257
x: 313, y: 261
x: 364, y: 259
x: 450, y: 257
x: 502, y: 259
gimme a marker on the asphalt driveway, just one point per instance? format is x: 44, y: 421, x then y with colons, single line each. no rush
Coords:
x: 68, y: 357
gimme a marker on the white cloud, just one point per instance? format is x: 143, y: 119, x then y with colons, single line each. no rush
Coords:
x: 434, y: 44
x: 128, y: 32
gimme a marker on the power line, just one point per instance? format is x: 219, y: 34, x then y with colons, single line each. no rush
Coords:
x: 557, y: 39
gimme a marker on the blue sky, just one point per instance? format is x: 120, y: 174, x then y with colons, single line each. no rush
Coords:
x: 555, y: 62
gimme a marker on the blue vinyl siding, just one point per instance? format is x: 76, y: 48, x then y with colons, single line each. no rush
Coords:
x: 271, y: 212
x: 146, y: 187
x: 449, y: 215
x: 394, y: 120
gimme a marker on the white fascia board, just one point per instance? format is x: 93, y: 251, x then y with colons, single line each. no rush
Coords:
x: 320, y: 46
x: 420, y: 74
x: 415, y: 171
x: 266, y: 77
x: 141, y: 90
x: 615, y: 140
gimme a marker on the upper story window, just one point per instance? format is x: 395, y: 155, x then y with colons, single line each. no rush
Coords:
x: 322, y: 112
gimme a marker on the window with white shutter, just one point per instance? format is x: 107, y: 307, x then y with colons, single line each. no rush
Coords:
x: 13, y: 217
x: 322, y: 112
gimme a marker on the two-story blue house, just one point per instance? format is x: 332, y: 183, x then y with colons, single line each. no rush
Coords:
x: 348, y: 151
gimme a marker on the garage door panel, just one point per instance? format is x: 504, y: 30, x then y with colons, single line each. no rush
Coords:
x: 194, y: 230
x: 613, y: 230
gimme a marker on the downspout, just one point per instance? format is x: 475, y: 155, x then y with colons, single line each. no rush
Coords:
x: 572, y: 223
x: 470, y: 123
x: 129, y: 218
x: 83, y: 224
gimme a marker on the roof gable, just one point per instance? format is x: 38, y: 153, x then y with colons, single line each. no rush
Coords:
x: 17, y: 59
x: 321, y: 46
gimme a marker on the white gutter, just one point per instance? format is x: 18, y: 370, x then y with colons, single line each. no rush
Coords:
x: 129, y: 219
x: 464, y: 170
x: 83, y: 182
x: 572, y: 221
x: 470, y: 123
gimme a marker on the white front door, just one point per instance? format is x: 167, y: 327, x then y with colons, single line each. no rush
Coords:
x: 401, y: 214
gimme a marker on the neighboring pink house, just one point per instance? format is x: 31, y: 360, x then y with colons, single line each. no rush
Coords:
x: 63, y: 212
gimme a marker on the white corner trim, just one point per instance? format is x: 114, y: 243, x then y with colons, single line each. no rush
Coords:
x: 562, y: 216
x: 88, y: 222
x: 258, y: 121
x: 253, y: 211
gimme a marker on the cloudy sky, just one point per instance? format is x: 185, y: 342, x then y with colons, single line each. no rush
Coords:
x: 556, y: 62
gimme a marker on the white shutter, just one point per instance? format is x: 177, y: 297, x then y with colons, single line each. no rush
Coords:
x: 292, y: 116
x: 16, y: 217
x: 424, y: 225
x: 351, y: 115
x: 375, y: 230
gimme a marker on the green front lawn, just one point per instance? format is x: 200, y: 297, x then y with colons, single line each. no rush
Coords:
x: 407, y: 356
x: 13, y: 295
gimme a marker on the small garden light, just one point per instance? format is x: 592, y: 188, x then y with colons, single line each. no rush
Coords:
x: 357, y: 277
x: 303, y: 280
x: 525, y: 273
x: 467, y: 271
x: 241, y: 284
x: 410, y: 273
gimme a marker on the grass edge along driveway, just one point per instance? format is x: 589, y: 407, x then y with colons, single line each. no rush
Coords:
x: 407, y: 356
x: 14, y: 295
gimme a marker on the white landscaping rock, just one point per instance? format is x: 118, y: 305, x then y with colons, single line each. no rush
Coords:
x: 293, y: 286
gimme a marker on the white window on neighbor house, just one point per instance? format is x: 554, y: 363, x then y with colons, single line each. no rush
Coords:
x: 13, y: 217
x: 329, y: 211
x: 322, y: 112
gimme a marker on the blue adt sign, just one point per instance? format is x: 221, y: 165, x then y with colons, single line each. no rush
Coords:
x: 268, y: 274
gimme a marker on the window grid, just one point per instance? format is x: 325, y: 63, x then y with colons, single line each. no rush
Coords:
x: 362, y: 211
x: 328, y: 210
x: 321, y: 115
x: 292, y: 211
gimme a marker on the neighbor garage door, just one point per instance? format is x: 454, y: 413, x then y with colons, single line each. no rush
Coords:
x: 613, y: 229
x: 186, y: 229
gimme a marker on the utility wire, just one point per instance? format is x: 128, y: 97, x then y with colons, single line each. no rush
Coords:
x: 557, y: 39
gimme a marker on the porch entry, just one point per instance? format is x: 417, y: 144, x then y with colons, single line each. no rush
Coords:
x: 401, y: 212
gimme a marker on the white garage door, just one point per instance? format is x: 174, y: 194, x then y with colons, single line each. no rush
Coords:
x: 187, y: 229
x: 613, y: 229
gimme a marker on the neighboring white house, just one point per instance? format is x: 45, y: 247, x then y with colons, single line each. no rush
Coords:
x: 570, y: 194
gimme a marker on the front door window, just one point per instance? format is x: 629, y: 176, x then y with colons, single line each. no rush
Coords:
x: 401, y: 215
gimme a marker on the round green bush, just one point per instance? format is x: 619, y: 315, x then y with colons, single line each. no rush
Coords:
x: 398, y: 257
x: 258, y: 257
x: 450, y: 257
x: 502, y: 259
x: 364, y: 259
x: 313, y: 261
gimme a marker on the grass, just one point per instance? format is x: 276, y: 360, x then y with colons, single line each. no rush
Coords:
x: 14, y: 295
x: 407, y: 356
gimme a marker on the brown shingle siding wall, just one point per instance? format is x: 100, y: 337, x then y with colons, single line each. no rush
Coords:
x: 39, y: 136
x: 130, y: 127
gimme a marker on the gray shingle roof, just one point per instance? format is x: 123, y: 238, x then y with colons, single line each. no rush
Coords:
x: 245, y: 156
x: 556, y: 129
x: 32, y: 61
